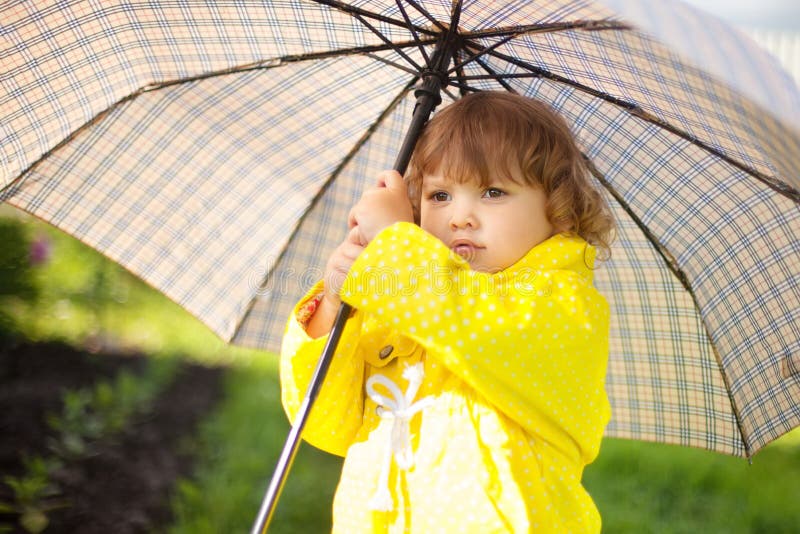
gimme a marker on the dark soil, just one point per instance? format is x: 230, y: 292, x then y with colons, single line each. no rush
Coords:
x: 33, y: 379
x: 125, y: 486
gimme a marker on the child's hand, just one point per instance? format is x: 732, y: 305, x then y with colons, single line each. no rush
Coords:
x: 339, y: 263
x: 381, y: 206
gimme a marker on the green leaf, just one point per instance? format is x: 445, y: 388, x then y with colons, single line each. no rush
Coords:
x: 7, y: 508
x: 34, y: 521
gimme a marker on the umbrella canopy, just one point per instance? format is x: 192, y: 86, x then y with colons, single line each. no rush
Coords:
x: 214, y: 150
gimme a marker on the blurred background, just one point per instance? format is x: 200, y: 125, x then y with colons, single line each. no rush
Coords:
x: 774, y: 24
x: 119, y: 412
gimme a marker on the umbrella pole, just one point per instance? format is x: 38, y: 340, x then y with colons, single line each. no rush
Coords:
x: 428, y: 97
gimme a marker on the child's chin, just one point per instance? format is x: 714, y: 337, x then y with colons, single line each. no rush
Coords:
x: 483, y: 268
x: 477, y: 262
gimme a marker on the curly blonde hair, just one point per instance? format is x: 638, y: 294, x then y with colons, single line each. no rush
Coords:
x: 489, y: 133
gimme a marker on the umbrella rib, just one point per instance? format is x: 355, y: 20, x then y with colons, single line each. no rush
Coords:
x: 389, y: 42
x: 393, y: 64
x: 493, y: 75
x: 353, y: 10
x: 463, y: 86
x: 774, y: 184
x: 413, y: 31
x: 586, y: 25
x: 475, y: 57
x: 427, y: 15
x: 635, y: 110
x: 499, y: 79
x: 455, y: 16
x: 277, y: 62
x: 451, y: 95
x: 459, y: 71
x: 669, y: 260
x: 673, y: 266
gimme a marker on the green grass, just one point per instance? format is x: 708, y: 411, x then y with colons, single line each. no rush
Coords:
x: 639, y: 487
x: 646, y: 487
x: 240, y: 443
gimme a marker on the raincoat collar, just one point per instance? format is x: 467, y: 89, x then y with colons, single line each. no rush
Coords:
x: 562, y: 251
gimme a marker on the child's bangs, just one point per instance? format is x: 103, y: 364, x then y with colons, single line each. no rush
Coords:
x: 482, y: 153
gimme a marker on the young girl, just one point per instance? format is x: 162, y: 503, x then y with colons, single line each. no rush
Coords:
x: 467, y: 392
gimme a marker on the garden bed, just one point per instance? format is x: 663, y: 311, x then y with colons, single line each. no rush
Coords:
x: 124, y: 484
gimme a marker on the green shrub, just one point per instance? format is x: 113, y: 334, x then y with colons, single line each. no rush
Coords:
x: 104, y: 409
x: 17, y: 282
x: 15, y: 266
x: 33, y: 495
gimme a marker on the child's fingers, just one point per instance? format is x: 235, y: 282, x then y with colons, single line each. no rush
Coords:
x: 340, y: 264
x: 352, y: 222
x: 391, y: 179
x: 349, y: 249
x: 355, y: 237
x: 350, y: 252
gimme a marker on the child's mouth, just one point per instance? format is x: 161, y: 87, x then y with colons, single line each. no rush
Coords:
x: 465, y: 251
x: 465, y: 248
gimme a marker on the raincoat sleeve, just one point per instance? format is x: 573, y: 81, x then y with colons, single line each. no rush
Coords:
x: 535, y: 346
x: 337, y: 412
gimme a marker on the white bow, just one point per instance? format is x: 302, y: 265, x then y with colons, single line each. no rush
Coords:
x: 400, y: 407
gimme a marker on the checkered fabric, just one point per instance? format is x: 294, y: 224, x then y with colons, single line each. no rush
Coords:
x: 215, y: 150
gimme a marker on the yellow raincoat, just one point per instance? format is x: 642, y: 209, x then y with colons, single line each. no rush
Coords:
x: 496, y: 401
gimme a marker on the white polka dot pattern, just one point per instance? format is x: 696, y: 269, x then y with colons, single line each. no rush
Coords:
x: 515, y: 362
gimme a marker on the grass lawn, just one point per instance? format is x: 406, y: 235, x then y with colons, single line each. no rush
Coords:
x: 647, y: 487
x: 241, y: 442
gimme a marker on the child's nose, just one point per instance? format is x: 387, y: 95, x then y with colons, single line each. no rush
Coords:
x: 462, y: 217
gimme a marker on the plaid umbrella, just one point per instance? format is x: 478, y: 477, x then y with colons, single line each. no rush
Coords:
x: 214, y: 150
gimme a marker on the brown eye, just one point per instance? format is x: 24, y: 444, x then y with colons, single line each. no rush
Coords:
x: 439, y: 196
x: 493, y: 192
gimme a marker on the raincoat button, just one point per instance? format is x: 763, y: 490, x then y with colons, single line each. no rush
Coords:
x: 385, y: 352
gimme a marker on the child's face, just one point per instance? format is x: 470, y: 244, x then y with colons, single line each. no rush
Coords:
x: 491, y: 227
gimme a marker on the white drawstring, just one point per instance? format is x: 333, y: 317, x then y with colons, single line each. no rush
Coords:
x: 401, y: 408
